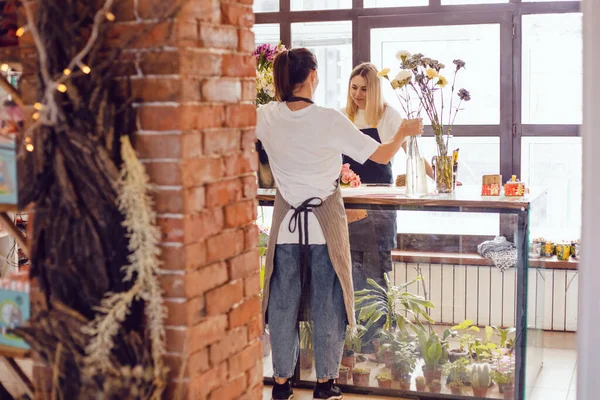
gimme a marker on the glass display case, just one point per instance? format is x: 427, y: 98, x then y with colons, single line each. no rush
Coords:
x: 449, y: 322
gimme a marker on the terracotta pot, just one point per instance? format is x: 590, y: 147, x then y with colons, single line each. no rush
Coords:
x: 397, y: 373
x: 437, y: 389
x: 361, y: 379
x: 344, y: 377
x: 431, y: 375
x: 456, y: 389
x: 349, y: 361
x: 385, y: 384
x: 480, y: 391
x: 509, y: 392
x: 306, y: 359
x: 405, y: 382
x: 421, y: 388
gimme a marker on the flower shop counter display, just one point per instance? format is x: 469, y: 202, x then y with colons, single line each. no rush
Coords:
x: 412, y: 356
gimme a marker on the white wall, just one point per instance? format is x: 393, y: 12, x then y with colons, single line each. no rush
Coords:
x: 588, y: 385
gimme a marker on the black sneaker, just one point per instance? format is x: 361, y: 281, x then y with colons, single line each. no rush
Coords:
x: 327, y: 390
x: 283, y: 391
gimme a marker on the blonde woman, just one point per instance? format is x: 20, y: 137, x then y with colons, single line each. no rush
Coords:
x: 373, y: 237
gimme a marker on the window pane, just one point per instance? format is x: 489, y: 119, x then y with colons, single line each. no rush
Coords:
x: 266, y: 5
x: 477, y: 45
x: 302, y: 5
x: 266, y: 33
x: 478, y: 156
x: 547, y: 97
x: 555, y: 164
x: 331, y: 42
x: 394, y: 3
x: 454, y: 2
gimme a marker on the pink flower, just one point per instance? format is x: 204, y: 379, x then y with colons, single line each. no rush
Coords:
x: 347, y: 177
x: 346, y: 167
x: 354, y: 183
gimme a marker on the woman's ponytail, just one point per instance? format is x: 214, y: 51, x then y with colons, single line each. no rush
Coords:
x: 290, y: 68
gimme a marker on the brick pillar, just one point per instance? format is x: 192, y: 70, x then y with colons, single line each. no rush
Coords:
x: 194, y: 78
x: 195, y: 135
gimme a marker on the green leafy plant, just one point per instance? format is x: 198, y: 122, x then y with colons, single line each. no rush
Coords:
x: 431, y: 350
x: 361, y: 371
x: 463, y: 331
x: 420, y: 381
x: 393, y: 304
x: 384, y: 376
x: 353, y: 341
x: 457, y: 370
x: 503, y: 334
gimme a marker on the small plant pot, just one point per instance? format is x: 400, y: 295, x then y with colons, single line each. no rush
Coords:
x: 344, y: 377
x: 454, y: 355
x: 421, y: 387
x: 432, y: 374
x: 480, y: 391
x: 456, y: 390
x: 404, y: 382
x: 509, y: 392
x: 435, y: 389
x: 386, y: 384
x: 349, y: 361
x: 361, y: 379
x: 306, y: 359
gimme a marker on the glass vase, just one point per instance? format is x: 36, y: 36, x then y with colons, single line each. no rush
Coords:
x: 416, y: 174
x: 443, y: 169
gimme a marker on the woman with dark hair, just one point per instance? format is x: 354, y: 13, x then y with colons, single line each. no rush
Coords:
x: 308, y: 273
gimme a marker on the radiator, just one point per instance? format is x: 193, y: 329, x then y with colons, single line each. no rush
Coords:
x: 487, y: 296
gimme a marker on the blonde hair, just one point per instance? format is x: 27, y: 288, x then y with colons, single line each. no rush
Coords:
x: 375, y: 106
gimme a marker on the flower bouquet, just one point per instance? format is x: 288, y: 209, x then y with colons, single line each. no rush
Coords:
x: 265, y: 87
x: 348, y: 178
x: 422, y: 78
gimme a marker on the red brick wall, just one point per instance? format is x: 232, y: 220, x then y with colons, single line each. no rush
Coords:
x: 194, y: 77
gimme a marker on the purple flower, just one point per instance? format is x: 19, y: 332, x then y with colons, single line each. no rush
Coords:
x: 459, y: 64
x: 464, y: 95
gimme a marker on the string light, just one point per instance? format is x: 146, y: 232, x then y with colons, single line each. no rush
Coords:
x: 67, y: 71
x: 85, y: 69
x: 62, y: 88
x: 35, y: 116
x: 38, y: 106
x: 5, y: 67
x: 29, y: 147
x: 110, y: 16
x: 27, y: 139
x: 20, y: 32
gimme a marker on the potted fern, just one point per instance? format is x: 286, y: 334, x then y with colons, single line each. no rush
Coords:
x: 480, y: 379
x: 435, y: 386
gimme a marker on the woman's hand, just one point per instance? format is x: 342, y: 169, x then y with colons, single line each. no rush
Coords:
x: 411, y: 127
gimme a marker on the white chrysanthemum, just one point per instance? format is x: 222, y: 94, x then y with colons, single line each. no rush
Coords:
x: 403, y: 75
x: 402, y: 55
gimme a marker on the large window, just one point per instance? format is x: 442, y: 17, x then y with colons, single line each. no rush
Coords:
x: 524, y: 71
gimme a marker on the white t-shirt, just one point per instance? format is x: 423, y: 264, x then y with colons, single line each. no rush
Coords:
x: 305, y: 150
x: 387, y: 127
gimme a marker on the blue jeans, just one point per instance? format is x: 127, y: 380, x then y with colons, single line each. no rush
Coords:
x: 328, y: 312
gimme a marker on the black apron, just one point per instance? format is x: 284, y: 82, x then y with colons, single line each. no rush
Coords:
x: 378, y: 231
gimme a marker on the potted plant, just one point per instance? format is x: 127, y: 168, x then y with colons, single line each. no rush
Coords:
x: 344, y: 375
x: 361, y: 376
x: 393, y: 304
x: 420, y: 383
x: 480, y: 379
x: 404, y: 362
x: 456, y: 372
x: 384, y: 379
x: 503, y: 373
x: 306, y: 345
x: 432, y: 353
x: 435, y: 386
x: 352, y: 345
x: 503, y: 333
x: 466, y: 327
